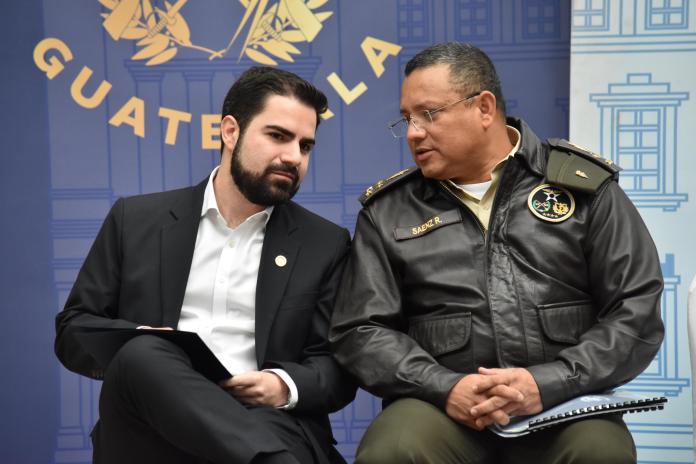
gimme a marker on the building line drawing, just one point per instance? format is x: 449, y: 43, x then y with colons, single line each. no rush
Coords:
x: 638, y: 120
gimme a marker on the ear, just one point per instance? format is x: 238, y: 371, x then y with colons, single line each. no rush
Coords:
x: 487, y: 108
x: 229, y: 132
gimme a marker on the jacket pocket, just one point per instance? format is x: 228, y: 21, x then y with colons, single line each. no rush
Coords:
x: 439, y: 335
x: 564, y: 323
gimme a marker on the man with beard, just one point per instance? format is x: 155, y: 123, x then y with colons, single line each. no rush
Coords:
x: 253, y: 273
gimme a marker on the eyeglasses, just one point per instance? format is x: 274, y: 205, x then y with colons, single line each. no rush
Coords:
x: 422, y: 118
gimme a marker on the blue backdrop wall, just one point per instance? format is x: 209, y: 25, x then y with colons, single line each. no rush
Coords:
x: 94, y: 109
x: 633, y: 65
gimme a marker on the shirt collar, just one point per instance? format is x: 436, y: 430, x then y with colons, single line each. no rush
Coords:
x: 210, y: 202
x: 515, y: 138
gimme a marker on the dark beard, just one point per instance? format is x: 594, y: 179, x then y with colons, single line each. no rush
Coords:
x: 260, y: 189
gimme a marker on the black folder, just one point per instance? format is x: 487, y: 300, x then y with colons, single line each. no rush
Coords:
x: 611, y: 402
x: 103, y: 344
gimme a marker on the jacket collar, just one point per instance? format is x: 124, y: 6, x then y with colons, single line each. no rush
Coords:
x: 531, y: 152
x: 178, y: 239
x: 278, y: 258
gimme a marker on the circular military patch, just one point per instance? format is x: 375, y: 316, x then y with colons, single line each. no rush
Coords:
x: 551, y: 203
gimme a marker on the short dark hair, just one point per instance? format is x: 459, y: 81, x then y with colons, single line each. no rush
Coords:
x: 471, y: 70
x: 247, y: 96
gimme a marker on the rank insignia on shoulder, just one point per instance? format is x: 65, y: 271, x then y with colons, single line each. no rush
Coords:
x: 576, y: 168
x: 383, y: 183
x: 551, y: 203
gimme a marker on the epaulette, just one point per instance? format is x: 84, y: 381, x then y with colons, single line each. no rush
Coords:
x: 383, y: 184
x: 577, y: 168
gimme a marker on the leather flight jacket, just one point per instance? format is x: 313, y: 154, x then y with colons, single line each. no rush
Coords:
x: 566, y: 281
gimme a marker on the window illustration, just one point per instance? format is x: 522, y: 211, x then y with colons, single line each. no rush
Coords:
x: 413, y: 20
x: 638, y: 131
x: 667, y: 14
x: 473, y: 19
x: 541, y: 19
x: 665, y: 24
x: 590, y: 15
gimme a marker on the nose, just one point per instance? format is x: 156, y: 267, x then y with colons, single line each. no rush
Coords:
x: 291, y: 155
x: 414, y: 133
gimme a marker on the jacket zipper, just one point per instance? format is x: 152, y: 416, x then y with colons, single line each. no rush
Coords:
x: 486, y: 244
x: 503, y: 176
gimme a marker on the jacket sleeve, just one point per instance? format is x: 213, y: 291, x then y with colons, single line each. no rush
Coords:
x: 93, y: 300
x: 626, y: 285
x: 323, y: 386
x: 368, y: 326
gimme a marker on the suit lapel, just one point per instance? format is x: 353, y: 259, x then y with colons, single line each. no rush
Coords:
x: 273, y: 275
x: 178, y: 242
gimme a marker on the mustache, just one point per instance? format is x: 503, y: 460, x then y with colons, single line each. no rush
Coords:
x: 292, y: 170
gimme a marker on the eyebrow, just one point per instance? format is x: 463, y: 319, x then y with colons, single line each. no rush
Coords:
x: 290, y: 134
x: 427, y: 106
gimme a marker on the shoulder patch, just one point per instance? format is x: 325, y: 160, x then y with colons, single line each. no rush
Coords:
x: 383, y: 184
x: 576, y: 168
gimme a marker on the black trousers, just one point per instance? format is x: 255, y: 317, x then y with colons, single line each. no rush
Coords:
x: 155, y: 408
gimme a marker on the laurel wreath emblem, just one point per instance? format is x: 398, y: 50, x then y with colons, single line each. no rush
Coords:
x: 275, y: 26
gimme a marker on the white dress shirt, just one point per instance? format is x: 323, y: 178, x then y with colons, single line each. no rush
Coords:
x: 220, y: 299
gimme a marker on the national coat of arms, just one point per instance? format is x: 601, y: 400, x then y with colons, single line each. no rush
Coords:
x: 161, y: 32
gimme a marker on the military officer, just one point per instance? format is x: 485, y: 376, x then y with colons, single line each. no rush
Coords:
x: 499, y: 277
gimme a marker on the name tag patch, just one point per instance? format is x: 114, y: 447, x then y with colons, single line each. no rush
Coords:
x: 428, y: 225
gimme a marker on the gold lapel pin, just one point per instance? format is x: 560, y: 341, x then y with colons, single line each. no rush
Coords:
x: 580, y: 173
x: 281, y: 261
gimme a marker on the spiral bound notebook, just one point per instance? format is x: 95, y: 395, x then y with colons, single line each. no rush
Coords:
x: 611, y: 402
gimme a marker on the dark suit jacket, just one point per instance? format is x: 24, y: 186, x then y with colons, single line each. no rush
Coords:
x: 137, y: 269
